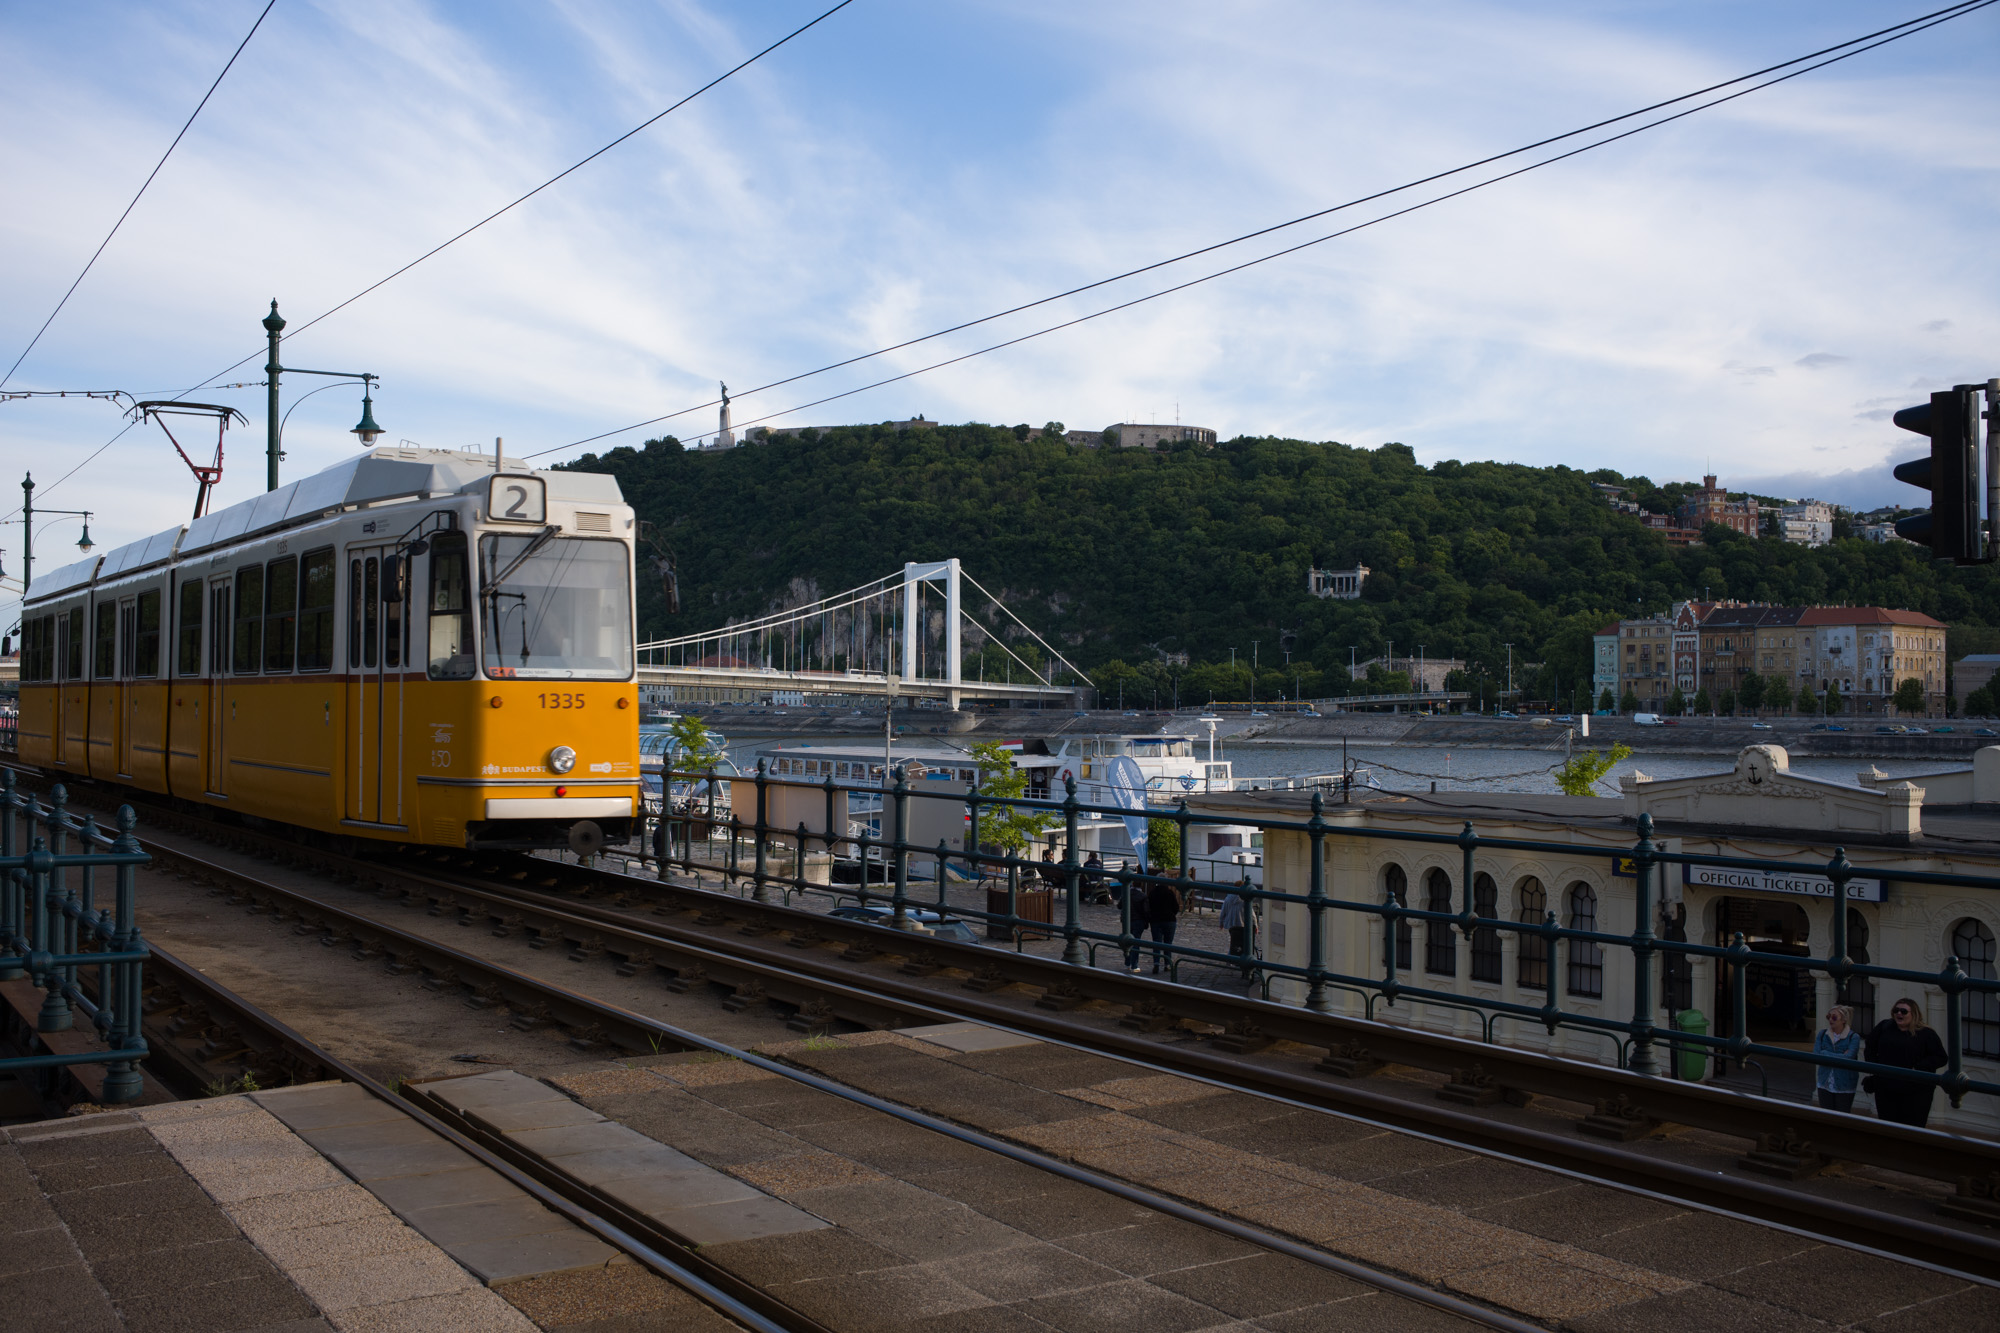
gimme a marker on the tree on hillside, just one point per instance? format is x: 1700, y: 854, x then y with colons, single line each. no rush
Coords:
x: 1980, y: 702
x: 1909, y: 698
x: 1677, y: 702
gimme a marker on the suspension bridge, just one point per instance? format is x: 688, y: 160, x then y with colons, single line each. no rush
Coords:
x: 903, y: 635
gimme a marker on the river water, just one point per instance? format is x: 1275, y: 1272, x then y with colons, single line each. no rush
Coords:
x: 1416, y: 767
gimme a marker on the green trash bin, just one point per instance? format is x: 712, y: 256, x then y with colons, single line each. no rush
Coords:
x: 1693, y: 1059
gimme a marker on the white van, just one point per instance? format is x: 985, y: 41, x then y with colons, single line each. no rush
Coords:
x: 1648, y: 720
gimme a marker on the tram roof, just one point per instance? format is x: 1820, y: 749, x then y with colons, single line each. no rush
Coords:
x: 385, y: 473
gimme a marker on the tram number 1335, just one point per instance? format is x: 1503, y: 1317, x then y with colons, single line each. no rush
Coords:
x: 561, y: 700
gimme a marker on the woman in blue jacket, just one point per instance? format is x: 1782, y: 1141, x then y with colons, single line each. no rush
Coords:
x: 1838, y: 1038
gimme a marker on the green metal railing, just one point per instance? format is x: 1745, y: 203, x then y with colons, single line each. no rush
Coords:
x: 52, y: 925
x: 1636, y: 1038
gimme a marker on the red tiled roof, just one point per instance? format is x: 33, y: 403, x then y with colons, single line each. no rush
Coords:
x: 1867, y: 615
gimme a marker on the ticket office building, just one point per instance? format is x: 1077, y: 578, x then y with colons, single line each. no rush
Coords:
x: 1757, y: 809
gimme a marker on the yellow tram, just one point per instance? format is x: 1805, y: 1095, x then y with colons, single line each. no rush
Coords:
x: 413, y: 646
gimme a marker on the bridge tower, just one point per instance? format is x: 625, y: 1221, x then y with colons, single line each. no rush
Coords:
x: 939, y: 571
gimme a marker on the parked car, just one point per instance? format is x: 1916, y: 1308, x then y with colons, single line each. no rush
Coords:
x: 1922, y: 731
x: 1986, y: 731
x: 1309, y: 712
x: 1760, y: 726
x: 1888, y: 730
x: 1512, y: 717
x: 944, y: 928
x: 1835, y: 726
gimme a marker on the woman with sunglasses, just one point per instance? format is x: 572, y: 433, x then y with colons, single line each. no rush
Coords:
x: 1837, y: 1038
x: 1904, y: 1040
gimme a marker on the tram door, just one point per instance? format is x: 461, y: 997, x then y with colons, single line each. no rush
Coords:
x: 215, y: 687
x: 376, y: 648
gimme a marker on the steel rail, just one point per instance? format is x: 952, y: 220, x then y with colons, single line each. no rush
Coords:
x: 1899, y: 1148
x: 650, y: 1028
x: 1904, y: 1238
x: 680, y: 1270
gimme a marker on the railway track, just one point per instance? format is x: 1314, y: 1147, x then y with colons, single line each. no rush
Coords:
x: 786, y: 957
x: 233, y: 1030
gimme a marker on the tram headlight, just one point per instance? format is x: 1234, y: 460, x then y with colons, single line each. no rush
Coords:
x: 562, y: 759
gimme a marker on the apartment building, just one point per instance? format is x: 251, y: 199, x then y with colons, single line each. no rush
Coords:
x: 1871, y: 650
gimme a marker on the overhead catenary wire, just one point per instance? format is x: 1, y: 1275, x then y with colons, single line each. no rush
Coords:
x: 516, y: 203
x: 1867, y: 42
x: 92, y: 261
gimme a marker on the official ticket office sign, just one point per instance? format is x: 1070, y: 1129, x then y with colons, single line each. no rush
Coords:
x: 1761, y: 881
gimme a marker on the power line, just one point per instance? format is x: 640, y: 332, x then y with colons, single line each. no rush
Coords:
x: 443, y: 245
x: 1889, y: 34
x: 461, y: 235
x: 135, y: 200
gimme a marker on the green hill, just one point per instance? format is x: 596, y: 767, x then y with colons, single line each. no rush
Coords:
x: 1124, y: 555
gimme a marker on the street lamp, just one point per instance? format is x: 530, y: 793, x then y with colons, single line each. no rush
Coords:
x: 367, y: 430
x: 27, y: 522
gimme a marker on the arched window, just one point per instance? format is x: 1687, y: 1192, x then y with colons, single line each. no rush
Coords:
x: 1396, y: 886
x: 1858, y: 993
x: 1586, y: 957
x: 1440, y: 938
x: 1485, y: 939
x: 1972, y: 940
x: 1531, y: 965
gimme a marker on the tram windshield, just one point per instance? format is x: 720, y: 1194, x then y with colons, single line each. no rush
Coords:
x: 555, y: 608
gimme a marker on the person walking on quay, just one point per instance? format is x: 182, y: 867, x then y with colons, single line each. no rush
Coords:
x: 1131, y: 899
x: 1837, y: 1038
x: 1093, y: 879
x: 1163, y: 914
x: 1236, y: 920
x: 1904, y: 1040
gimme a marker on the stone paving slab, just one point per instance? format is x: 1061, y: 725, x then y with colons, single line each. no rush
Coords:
x: 690, y: 1199
x: 967, y: 1037
x: 471, y: 1214
x: 1545, y: 1246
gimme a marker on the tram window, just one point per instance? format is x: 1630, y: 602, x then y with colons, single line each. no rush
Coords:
x: 188, y: 659
x: 246, y: 651
x: 354, y: 613
x: 316, y: 610
x: 395, y: 590
x: 37, y: 662
x: 128, y: 624
x: 371, y: 601
x: 73, y: 649
x: 556, y: 609
x: 146, y: 645
x: 105, y: 648
x: 450, y: 609
x: 281, y: 613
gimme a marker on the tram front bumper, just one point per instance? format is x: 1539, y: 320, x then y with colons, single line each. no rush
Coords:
x: 559, y: 807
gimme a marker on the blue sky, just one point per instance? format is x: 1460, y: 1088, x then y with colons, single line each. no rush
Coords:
x: 1750, y: 290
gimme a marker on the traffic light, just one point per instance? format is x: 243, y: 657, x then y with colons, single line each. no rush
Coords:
x: 1951, y: 473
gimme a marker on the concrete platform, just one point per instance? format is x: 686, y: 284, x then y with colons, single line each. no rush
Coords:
x: 226, y: 1215
x: 930, y: 1234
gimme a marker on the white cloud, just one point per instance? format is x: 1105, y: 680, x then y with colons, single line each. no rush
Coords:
x: 1660, y: 302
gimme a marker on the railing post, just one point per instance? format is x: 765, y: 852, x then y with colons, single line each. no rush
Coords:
x: 943, y: 851
x: 1073, y: 951
x: 900, y: 918
x: 1839, y: 871
x: 826, y: 785
x: 122, y: 1082
x: 11, y: 921
x: 760, y: 890
x: 1952, y: 981
x: 1643, y: 1060
x: 1739, y: 998
x: 55, y: 1013
x: 1467, y: 840
x: 1316, y: 911
x: 1552, y: 962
